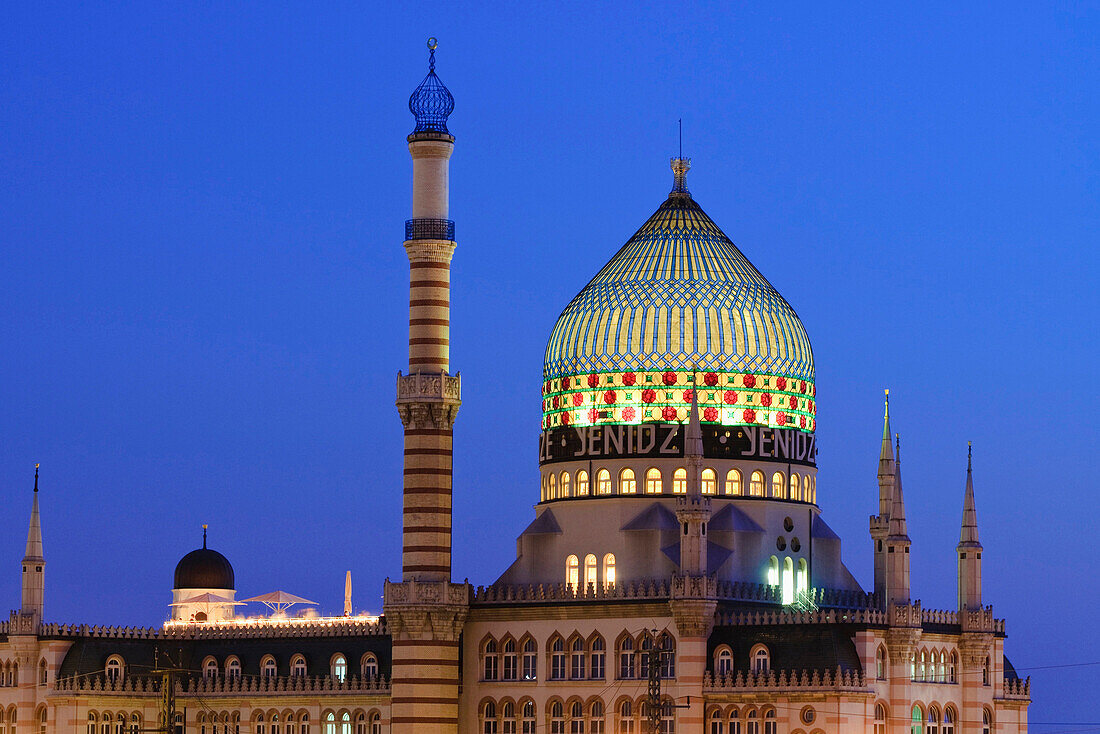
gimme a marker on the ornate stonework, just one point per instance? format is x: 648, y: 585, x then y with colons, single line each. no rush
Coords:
x: 428, y: 399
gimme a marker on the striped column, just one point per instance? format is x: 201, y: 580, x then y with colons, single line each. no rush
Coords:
x: 693, y: 605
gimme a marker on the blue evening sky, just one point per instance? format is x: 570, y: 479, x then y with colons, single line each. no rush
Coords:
x: 204, y: 293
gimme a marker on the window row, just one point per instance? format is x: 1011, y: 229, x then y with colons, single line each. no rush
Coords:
x: 8, y: 718
x: 591, y: 578
x: 332, y: 722
x: 230, y: 723
x: 731, y: 720
x: 9, y: 674
x: 269, y: 668
x: 760, y: 660
x: 9, y: 721
x: 928, y: 721
x: 575, y: 716
x: 576, y: 657
x: 928, y: 666
x: 107, y: 722
x: 792, y: 585
x: 801, y: 487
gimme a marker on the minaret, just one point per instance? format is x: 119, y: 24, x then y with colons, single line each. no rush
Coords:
x: 425, y: 612
x: 880, y: 523
x: 347, y: 594
x: 34, y: 564
x: 897, y: 542
x: 969, y: 548
x: 693, y: 508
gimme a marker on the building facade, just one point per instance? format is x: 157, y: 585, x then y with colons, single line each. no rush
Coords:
x: 678, y: 575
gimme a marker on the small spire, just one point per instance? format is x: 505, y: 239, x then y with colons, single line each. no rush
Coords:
x: 898, y: 527
x: 34, y: 528
x: 36, y: 478
x: 968, y: 535
x: 347, y: 594
x: 204, y: 537
x: 680, y: 167
x: 693, y: 440
x: 886, y: 464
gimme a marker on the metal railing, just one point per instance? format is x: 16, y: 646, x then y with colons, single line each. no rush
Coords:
x: 429, y: 229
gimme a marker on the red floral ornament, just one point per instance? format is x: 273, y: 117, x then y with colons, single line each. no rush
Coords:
x: 628, y: 414
x: 557, y: 400
x: 592, y: 415
x: 749, y: 415
x: 711, y: 378
x: 801, y: 421
x: 794, y: 403
x: 730, y: 397
x: 593, y: 380
x: 749, y: 380
x: 629, y: 378
x: 669, y: 378
x: 812, y: 407
x: 669, y: 413
x: 781, y: 383
x: 577, y: 398
x: 710, y: 414
x: 565, y: 419
x: 688, y: 394
x: 648, y: 396
x: 781, y: 418
x: 609, y: 397
x: 765, y: 399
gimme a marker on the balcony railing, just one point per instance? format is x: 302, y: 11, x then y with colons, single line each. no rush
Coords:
x: 429, y: 229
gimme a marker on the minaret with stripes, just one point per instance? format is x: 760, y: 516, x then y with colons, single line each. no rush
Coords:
x: 425, y: 611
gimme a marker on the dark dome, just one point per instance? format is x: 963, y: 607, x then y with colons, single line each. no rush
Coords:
x: 204, y: 569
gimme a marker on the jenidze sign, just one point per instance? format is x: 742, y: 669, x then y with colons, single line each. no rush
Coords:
x: 666, y: 440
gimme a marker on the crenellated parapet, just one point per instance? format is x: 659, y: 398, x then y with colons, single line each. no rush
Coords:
x: 237, y: 629
x: 822, y: 616
x: 225, y: 686
x: 1017, y: 689
x: 980, y: 620
x: 797, y: 680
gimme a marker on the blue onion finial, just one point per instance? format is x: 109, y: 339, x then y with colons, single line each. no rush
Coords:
x: 431, y: 103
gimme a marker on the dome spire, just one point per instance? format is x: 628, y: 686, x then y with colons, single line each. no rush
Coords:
x: 204, y: 536
x: 680, y: 167
x: 431, y: 103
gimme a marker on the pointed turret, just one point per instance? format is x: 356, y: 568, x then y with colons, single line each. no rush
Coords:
x: 897, y: 542
x: 693, y: 510
x: 886, y: 465
x: 969, y: 548
x: 34, y: 562
x: 898, y: 527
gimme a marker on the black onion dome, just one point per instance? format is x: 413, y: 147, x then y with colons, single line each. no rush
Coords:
x: 431, y: 103
x: 204, y: 569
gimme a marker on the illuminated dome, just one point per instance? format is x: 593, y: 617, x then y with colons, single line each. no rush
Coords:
x: 679, y: 303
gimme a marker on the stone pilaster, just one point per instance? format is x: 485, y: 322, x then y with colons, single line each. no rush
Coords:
x: 902, y: 638
x: 693, y: 604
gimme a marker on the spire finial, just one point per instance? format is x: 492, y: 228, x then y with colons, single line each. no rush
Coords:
x: 204, y: 536
x: 897, y: 446
x: 36, y: 478
x: 680, y: 167
x: 969, y: 454
x: 432, y: 44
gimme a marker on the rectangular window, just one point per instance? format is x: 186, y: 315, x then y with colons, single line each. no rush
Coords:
x: 576, y: 671
x: 597, y: 665
x: 530, y: 663
x: 626, y: 665
x: 557, y: 666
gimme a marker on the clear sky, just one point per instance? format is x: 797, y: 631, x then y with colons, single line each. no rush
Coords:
x: 203, y: 290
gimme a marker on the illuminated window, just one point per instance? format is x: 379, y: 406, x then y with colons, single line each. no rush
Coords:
x: 779, y: 485
x: 773, y: 571
x: 680, y: 481
x: 796, y: 487
x: 933, y: 726
x: 566, y: 489
x: 609, y: 570
x: 723, y: 661
x: 788, y: 580
x: 627, y: 483
x: 543, y: 489
x: 880, y: 663
x: 653, y: 481
x: 582, y: 483
x: 953, y: 666
x: 734, y: 482
x: 572, y: 572
x: 345, y: 723
x: 756, y: 484
x: 802, y: 580
x: 330, y: 723
x: 590, y: 572
x: 552, y: 487
x: 708, y: 481
x: 760, y: 659
x: 603, y: 482
x: 922, y: 671
x: 811, y: 482
x: 880, y: 719
x: 339, y: 667
x: 916, y: 725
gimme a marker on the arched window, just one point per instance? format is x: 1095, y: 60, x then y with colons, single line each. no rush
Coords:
x: 330, y: 723
x: 954, y: 665
x: 530, y: 660
x: 267, y: 667
x: 120, y: 723
x: 603, y: 485
x: 93, y: 722
x: 590, y: 580
x: 668, y: 717
x: 948, y: 721
x: 210, y: 668
x: 779, y: 485
x: 773, y: 571
x: 576, y: 718
x: 933, y: 726
x: 557, y: 718
x: 708, y: 481
x: 752, y: 724
x: 760, y: 659
x: 756, y: 484
x: 941, y: 672
x: 734, y: 482
x: 723, y: 661
x: 489, y: 661
x: 717, y: 723
x: 811, y: 482
x: 345, y: 723
x: 572, y: 572
x: 258, y: 724
x: 802, y: 578
x: 43, y: 719
x: 597, y: 656
x: 339, y: 667
x: 582, y: 483
x: 796, y: 487
x: 609, y: 570
x: 489, y: 718
x: 769, y: 721
x: 566, y: 485
x: 288, y: 723
x: 507, y: 716
x: 985, y: 671
x: 680, y: 481
x: 880, y: 719
x: 922, y: 671
x: 43, y: 673
x: 880, y: 663
x: 232, y: 668
x: 916, y: 725
x: 303, y: 724
x: 275, y: 723
x: 735, y: 722
x: 667, y: 647
x: 653, y: 481
x: 114, y: 668
x: 987, y: 721
x: 576, y: 659
x: 626, y: 718
x: 557, y: 658
x: 596, y: 717
x: 626, y: 657
x: 510, y: 659
x: 529, y: 721
x: 360, y: 723
x: 105, y: 726
x: 298, y: 666
x: 552, y: 486
x: 627, y: 483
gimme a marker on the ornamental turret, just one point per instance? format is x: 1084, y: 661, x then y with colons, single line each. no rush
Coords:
x: 897, y: 542
x: 693, y: 509
x: 880, y: 523
x: 969, y: 548
x: 34, y: 564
